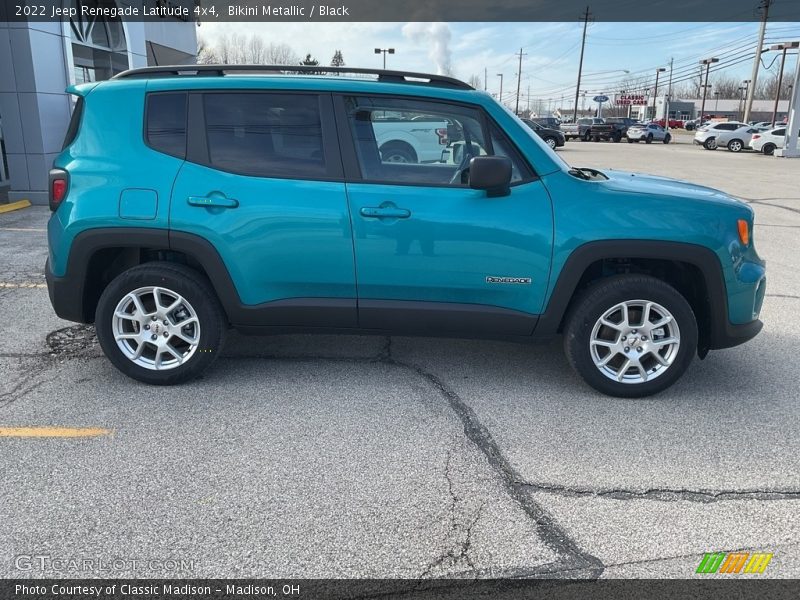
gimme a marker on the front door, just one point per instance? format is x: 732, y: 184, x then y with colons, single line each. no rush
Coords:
x: 262, y: 183
x: 431, y: 253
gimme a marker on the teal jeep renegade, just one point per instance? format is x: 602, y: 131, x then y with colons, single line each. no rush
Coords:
x: 188, y: 200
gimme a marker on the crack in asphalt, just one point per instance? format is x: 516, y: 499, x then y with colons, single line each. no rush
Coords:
x: 763, y: 202
x: 663, y: 494
x: 459, y: 550
x: 782, y: 296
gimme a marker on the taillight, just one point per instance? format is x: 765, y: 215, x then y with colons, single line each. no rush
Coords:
x: 756, y: 136
x: 59, y: 185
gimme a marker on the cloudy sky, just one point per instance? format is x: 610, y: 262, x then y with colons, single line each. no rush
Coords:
x: 551, y: 49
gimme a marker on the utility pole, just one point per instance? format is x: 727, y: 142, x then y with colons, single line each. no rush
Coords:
x: 580, y: 64
x: 485, y: 78
x: 756, y: 60
x: 529, y: 100
x: 519, y: 80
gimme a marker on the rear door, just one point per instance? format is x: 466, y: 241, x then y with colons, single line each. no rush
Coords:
x: 263, y: 183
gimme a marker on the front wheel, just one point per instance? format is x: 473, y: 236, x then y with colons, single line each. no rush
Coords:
x: 630, y: 336
x: 160, y: 323
x: 551, y: 141
x: 649, y: 139
x: 667, y: 138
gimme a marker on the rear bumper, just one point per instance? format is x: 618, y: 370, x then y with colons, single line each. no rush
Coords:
x: 66, y: 296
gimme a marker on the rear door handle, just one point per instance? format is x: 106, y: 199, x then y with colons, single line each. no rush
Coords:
x: 213, y: 201
x: 385, y: 212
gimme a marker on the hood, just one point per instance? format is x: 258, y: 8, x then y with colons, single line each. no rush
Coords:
x: 654, y: 185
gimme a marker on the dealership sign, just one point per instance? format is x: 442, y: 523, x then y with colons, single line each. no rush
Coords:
x: 600, y: 99
x: 632, y: 99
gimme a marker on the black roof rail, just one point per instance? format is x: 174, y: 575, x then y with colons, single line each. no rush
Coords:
x: 222, y: 70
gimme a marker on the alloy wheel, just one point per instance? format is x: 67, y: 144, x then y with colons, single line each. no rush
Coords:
x: 635, y: 341
x: 156, y: 328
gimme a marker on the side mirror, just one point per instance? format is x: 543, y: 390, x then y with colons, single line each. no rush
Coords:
x: 490, y: 173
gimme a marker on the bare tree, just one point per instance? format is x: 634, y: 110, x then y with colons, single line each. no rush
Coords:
x: 475, y: 81
x: 338, y: 59
x: 241, y: 49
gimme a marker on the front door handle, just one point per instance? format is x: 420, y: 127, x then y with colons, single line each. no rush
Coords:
x: 385, y: 212
x: 213, y: 200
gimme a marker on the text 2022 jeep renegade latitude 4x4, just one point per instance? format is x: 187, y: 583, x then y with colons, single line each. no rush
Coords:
x: 188, y: 200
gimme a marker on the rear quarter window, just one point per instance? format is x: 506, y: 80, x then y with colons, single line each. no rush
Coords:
x: 74, y: 123
x: 165, y: 123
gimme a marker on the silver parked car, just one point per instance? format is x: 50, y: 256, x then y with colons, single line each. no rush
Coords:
x: 731, y: 135
x: 648, y: 133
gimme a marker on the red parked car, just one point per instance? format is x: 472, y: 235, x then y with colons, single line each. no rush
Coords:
x: 673, y: 123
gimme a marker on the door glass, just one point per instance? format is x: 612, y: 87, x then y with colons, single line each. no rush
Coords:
x: 408, y: 141
x: 3, y: 159
x: 265, y: 134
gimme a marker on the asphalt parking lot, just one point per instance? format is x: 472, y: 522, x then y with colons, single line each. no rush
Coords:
x: 320, y: 457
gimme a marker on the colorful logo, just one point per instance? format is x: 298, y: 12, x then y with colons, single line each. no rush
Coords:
x: 734, y: 562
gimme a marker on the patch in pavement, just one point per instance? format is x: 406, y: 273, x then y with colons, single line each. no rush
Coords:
x: 72, y: 342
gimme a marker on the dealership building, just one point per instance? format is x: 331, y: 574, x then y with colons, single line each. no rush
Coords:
x: 38, y: 60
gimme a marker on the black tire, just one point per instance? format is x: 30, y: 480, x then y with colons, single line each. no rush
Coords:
x: 667, y: 138
x: 648, y: 139
x: 586, y: 136
x: 768, y: 149
x: 710, y: 144
x: 551, y: 141
x: 735, y: 145
x: 602, y: 296
x: 195, y: 289
x: 617, y: 138
x: 630, y: 141
x: 398, y: 152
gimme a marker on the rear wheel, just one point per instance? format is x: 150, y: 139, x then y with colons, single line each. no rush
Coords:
x: 586, y: 136
x: 710, y: 144
x: 768, y: 149
x: 160, y: 323
x: 667, y: 138
x: 630, y: 141
x: 735, y: 145
x: 649, y: 139
x: 551, y: 141
x: 630, y: 336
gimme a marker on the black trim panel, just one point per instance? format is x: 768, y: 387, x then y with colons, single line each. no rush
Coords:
x: 722, y: 335
x: 429, y: 318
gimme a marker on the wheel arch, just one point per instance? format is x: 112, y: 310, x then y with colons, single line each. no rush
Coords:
x: 692, y: 269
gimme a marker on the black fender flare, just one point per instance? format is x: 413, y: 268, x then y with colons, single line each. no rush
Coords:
x: 722, y: 334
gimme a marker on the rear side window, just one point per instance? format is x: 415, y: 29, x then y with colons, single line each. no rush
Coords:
x: 74, y: 123
x: 265, y: 134
x: 165, y: 130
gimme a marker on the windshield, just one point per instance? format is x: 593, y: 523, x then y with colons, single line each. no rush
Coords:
x: 532, y: 134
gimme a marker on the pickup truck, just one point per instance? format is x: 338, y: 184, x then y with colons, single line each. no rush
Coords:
x: 416, y: 140
x: 580, y: 129
x: 614, y: 129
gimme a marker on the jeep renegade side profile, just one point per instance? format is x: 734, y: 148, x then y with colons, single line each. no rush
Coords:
x: 188, y: 200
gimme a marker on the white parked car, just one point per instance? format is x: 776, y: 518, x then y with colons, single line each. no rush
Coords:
x: 768, y: 141
x: 731, y: 135
x: 648, y: 133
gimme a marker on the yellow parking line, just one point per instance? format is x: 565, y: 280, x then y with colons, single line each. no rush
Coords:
x: 4, y: 208
x: 9, y: 285
x: 42, y: 229
x: 53, y: 432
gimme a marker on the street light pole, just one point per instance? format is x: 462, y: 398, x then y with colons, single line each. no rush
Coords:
x: 655, y: 91
x: 707, y: 62
x: 384, y: 51
x: 500, y: 97
x: 784, y: 47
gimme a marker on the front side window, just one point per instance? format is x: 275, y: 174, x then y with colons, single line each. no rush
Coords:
x: 265, y: 134
x: 409, y: 141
